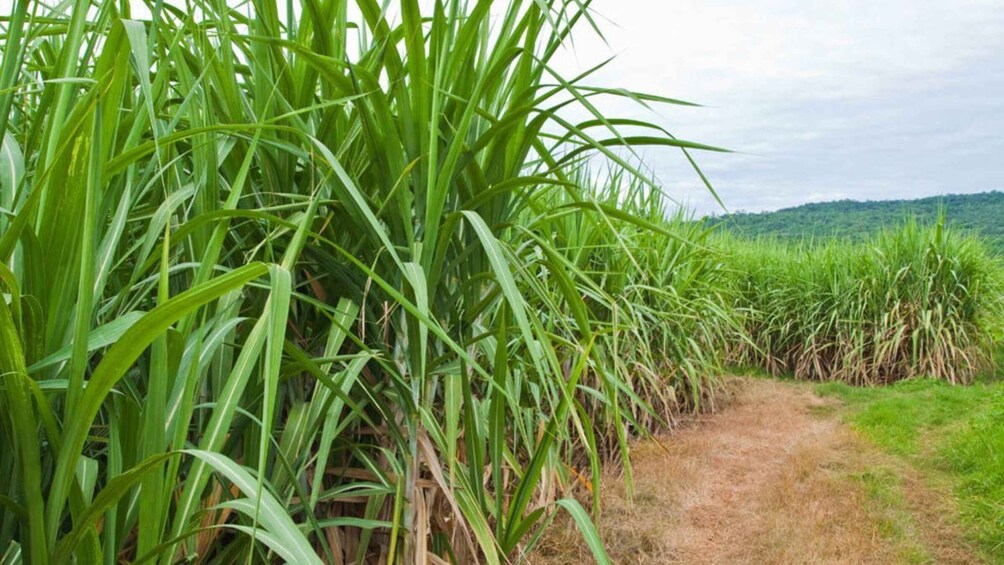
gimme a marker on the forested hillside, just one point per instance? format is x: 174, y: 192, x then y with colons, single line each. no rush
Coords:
x: 982, y: 213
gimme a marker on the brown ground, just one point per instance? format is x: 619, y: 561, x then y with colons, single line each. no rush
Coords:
x: 775, y: 477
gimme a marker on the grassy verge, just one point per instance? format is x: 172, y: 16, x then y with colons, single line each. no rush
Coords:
x: 948, y: 433
x: 886, y: 502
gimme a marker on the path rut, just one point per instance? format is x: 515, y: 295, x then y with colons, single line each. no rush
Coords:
x: 775, y: 477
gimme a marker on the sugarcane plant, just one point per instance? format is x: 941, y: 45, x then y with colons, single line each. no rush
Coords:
x: 324, y: 281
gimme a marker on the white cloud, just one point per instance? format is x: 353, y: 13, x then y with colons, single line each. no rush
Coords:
x: 824, y: 99
x: 857, y: 99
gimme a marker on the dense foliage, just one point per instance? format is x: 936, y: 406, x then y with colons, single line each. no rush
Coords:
x: 336, y: 284
x: 329, y: 284
x: 978, y: 213
x: 911, y: 301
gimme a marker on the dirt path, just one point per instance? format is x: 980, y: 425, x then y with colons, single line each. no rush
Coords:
x: 775, y: 477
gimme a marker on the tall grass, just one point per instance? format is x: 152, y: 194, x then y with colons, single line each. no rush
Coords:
x: 338, y: 283
x: 659, y: 300
x: 326, y: 284
x: 915, y: 300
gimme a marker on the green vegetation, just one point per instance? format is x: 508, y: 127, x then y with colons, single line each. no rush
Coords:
x: 910, y: 301
x: 331, y: 284
x: 337, y: 285
x: 951, y: 432
x: 977, y: 213
x: 976, y: 455
x: 883, y: 488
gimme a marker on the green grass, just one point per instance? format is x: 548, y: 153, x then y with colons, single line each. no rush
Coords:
x: 975, y: 454
x: 951, y: 432
x: 883, y: 489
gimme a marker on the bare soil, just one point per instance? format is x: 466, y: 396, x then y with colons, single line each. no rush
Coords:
x: 774, y: 477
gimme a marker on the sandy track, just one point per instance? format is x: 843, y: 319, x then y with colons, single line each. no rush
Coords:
x: 773, y: 478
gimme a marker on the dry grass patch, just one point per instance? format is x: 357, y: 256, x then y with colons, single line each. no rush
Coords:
x: 773, y: 478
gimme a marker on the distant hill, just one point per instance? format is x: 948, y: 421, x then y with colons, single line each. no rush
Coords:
x: 982, y: 213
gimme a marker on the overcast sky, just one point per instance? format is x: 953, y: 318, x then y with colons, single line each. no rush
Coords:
x: 824, y: 100
x: 821, y: 99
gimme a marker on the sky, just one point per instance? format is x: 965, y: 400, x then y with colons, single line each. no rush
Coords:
x: 820, y: 100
